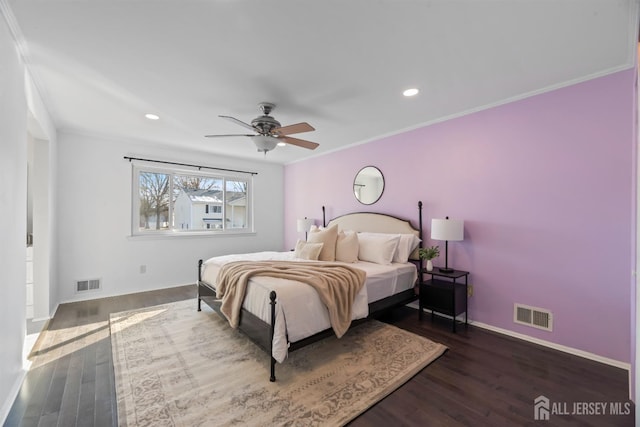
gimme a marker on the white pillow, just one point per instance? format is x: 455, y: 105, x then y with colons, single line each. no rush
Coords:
x: 347, y: 246
x: 328, y: 237
x: 378, y: 248
x: 306, y: 250
x: 407, y: 244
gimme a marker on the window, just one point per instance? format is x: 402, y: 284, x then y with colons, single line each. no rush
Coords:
x: 171, y: 201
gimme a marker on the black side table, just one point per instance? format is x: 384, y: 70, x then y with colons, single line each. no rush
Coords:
x: 444, y: 294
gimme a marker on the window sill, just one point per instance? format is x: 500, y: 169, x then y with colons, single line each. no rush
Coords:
x: 189, y: 235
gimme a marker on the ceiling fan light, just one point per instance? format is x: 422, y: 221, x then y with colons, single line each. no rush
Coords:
x: 264, y: 143
x: 281, y: 144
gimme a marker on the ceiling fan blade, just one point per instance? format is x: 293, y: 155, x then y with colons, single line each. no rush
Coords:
x: 222, y: 136
x: 291, y: 129
x: 239, y: 122
x: 299, y: 142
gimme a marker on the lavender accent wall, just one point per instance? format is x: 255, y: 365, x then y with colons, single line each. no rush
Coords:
x: 545, y: 187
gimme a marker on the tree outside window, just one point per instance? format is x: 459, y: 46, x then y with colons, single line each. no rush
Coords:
x: 174, y: 201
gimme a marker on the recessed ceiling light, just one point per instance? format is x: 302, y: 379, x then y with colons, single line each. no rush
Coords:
x: 410, y: 92
x: 152, y: 116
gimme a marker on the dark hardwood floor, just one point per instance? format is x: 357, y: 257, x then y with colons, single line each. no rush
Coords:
x: 489, y: 379
x: 483, y: 379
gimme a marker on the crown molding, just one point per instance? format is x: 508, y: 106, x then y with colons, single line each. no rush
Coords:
x: 23, y: 51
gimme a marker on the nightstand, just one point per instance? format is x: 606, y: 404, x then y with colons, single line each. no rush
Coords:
x: 444, y: 294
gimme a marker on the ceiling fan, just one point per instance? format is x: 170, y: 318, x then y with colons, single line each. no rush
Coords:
x: 269, y: 132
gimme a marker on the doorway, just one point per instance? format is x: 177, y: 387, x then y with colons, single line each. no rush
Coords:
x: 38, y: 233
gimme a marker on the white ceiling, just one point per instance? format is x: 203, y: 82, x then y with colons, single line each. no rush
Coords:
x: 341, y: 66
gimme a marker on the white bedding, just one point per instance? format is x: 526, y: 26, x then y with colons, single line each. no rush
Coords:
x: 299, y: 311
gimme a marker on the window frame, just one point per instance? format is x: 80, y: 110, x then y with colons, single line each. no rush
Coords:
x: 172, y: 171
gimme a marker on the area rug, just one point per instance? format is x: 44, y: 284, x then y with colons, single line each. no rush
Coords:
x: 176, y: 366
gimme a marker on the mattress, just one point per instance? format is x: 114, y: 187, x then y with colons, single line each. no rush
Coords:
x: 299, y: 311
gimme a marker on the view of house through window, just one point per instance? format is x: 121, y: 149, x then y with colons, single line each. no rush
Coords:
x: 175, y: 201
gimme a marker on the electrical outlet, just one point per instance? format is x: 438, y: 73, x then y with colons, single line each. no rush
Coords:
x: 470, y: 290
x: 143, y: 269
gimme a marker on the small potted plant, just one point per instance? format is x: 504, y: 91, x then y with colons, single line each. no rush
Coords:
x: 429, y: 254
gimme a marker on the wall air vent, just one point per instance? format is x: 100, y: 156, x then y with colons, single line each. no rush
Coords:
x: 533, y: 316
x: 87, y: 285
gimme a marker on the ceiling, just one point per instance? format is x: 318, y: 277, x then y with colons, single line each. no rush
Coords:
x: 341, y: 66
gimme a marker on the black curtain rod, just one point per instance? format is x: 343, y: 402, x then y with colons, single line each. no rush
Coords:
x: 187, y: 164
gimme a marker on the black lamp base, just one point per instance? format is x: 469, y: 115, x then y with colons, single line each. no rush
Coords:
x: 445, y: 270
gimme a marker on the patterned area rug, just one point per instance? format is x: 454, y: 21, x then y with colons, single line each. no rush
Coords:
x: 177, y: 366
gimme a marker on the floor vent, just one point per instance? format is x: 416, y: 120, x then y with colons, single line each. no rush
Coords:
x: 87, y: 285
x: 533, y: 316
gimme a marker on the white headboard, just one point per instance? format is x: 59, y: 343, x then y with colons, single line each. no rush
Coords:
x: 378, y: 223
x: 373, y: 222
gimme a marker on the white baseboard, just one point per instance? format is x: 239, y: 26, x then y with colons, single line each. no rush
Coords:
x: 8, y: 403
x: 555, y: 346
x: 101, y: 294
x: 27, y: 346
x: 549, y: 344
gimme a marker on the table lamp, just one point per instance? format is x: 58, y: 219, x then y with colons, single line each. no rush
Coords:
x: 447, y: 230
x: 304, y: 225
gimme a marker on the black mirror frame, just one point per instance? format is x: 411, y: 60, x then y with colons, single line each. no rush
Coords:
x: 355, y: 184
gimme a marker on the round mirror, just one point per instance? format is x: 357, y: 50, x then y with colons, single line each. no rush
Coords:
x: 368, y: 185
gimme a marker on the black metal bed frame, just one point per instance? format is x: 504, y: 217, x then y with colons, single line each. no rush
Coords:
x: 261, y: 333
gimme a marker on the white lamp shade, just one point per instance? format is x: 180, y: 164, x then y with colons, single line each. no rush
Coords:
x: 447, y: 229
x: 264, y: 143
x: 304, y: 225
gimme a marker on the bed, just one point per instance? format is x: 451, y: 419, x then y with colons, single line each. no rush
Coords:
x: 281, y: 315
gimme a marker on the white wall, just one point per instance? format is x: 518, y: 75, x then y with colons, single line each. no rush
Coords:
x: 13, y: 217
x: 94, y: 219
x: 22, y: 112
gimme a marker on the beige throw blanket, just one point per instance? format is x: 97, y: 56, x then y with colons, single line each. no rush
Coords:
x: 336, y: 284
